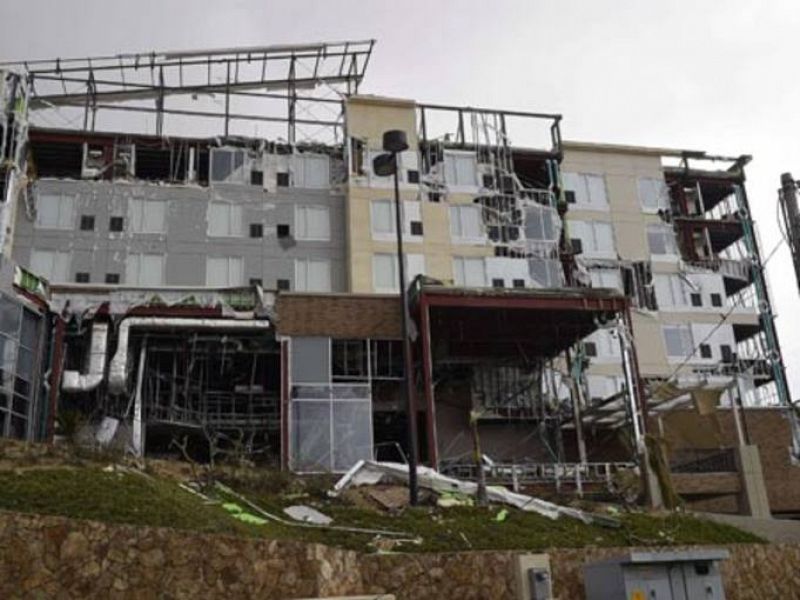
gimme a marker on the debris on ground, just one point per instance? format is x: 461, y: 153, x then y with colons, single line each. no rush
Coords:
x: 306, y: 514
x: 450, y: 499
x: 393, y: 498
x: 368, y: 472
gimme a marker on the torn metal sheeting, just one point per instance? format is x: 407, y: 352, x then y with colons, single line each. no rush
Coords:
x: 372, y: 472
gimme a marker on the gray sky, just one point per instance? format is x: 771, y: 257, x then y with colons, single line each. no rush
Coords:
x: 716, y: 76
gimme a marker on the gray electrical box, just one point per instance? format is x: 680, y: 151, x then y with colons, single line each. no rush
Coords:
x: 680, y: 575
x: 533, y: 577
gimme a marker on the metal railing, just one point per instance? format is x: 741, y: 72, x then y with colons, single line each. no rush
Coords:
x: 529, y: 473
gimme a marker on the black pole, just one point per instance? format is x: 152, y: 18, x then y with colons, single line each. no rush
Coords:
x: 413, y: 490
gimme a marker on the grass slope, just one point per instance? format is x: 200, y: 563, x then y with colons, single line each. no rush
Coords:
x: 123, y: 497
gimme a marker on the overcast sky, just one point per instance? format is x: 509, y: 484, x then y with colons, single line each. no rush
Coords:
x: 716, y: 76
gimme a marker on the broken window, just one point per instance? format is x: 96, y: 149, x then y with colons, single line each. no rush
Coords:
x: 312, y: 275
x: 597, y: 238
x: 678, y: 340
x: 147, y: 216
x: 54, y: 211
x: 312, y: 223
x: 227, y: 165
x: 51, y: 264
x: 146, y: 270
x: 224, y: 271
x: 19, y: 341
x: 661, y: 240
x: 606, y: 278
x: 589, y: 190
x: 469, y: 272
x: 224, y: 219
x: 466, y: 223
x: 653, y: 194
x: 637, y: 282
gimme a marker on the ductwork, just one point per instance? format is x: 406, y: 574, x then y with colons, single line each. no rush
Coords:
x: 118, y: 371
x: 75, y: 381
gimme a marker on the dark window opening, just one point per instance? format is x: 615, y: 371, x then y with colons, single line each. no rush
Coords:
x: 112, y: 278
x: 697, y: 299
x: 416, y: 227
x: 705, y: 351
x: 488, y: 181
x: 569, y: 196
x: 726, y: 353
x: 349, y: 359
x: 116, y: 224
x: 283, y: 284
x: 498, y: 282
x: 257, y: 178
x: 256, y: 230
x: 387, y: 359
x: 255, y: 281
x: 434, y: 197
x: 412, y: 176
x: 716, y: 299
x: 519, y: 283
x: 81, y: 277
x: 590, y: 348
x: 577, y: 245
x: 283, y: 179
x: 87, y: 223
x: 284, y: 231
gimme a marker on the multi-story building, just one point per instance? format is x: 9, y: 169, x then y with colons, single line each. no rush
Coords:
x: 566, y: 296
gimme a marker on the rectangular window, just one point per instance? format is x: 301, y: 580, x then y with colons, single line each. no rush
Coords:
x: 589, y: 190
x: 54, y: 211
x: 51, y: 264
x: 349, y: 360
x: 671, y: 291
x: 653, y: 194
x: 116, y: 224
x: 227, y: 165
x: 224, y: 271
x: 112, y: 278
x: 382, y: 218
x: 546, y: 272
x: 606, y: 278
x: 87, y: 222
x: 146, y: 270
x: 147, y: 216
x: 597, y: 238
x: 541, y: 223
x: 283, y: 284
x: 469, y: 272
x: 311, y: 171
x: 256, y: 230
x: 387, y: 359
x: 312, y: 275
x: 602, y: 346
x: 82, y: 277
x: 385, y: 278
x: 466, y: 223
x: 224, y: 219
x: 661, y: 240
x: 313, y: 223
x: 460, y: 170
x: 678, y: 340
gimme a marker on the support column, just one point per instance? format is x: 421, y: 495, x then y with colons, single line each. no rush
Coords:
x: 427, y: 382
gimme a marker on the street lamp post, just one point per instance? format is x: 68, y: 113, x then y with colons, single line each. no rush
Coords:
x: 394, y: 142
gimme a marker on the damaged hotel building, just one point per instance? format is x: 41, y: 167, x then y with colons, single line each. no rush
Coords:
x: 196, y: 246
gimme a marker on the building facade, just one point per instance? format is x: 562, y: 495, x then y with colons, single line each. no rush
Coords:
x: 563, y: 294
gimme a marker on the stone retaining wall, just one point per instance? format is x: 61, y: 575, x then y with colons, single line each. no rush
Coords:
x: 53, y: 557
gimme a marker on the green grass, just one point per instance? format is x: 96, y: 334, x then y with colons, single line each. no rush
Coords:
x: 121, y: 497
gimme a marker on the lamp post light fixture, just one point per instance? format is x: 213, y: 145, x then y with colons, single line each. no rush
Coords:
x: 394, y: 142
